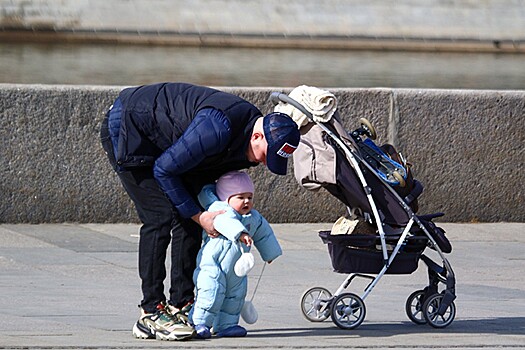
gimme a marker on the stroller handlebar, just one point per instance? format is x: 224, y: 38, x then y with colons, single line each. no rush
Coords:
x: 277, y: 97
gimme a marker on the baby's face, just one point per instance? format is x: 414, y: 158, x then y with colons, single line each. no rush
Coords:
x: 242, y: 202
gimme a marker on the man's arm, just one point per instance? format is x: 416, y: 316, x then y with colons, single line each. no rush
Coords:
x: 208, y: 134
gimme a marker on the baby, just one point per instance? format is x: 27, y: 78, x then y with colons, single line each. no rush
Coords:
x: 220, y: 292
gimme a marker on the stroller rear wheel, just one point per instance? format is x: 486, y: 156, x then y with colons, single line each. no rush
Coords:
x: 431, y: 308
x: 315, y: 304
x: 348, y: 311
x: 414, y: 307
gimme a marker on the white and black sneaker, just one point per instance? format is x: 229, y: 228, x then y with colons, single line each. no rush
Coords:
x: 161, y: 325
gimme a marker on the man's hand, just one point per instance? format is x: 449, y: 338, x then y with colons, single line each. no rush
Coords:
x: 205, y: 220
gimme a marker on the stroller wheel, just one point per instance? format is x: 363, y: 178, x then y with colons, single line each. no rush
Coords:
x: 431, y: 308
x: 369, y: 128
x: 399, y: 178
x: 348, y: 311
x: 315, y: 304
x: 414, y: 307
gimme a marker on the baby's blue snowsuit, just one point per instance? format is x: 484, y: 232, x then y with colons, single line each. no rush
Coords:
x: 220, y: 292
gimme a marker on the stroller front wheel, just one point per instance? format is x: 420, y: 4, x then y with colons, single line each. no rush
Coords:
x: 431, y: 308
x: 348, y: 311
x: 414, y: 307
x: 315, y: 304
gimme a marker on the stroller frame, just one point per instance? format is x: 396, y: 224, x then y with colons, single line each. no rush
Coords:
x: 347, y: 310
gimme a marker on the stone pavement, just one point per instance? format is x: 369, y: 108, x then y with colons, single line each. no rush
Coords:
x: 66, y: 286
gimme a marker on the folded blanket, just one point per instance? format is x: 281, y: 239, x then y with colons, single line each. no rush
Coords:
x: 344, y: 226
x: 320, y: 103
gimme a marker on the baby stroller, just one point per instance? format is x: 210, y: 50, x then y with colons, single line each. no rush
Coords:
x: 376, y: 185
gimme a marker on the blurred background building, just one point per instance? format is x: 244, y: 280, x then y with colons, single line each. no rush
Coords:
x: 463, y: 44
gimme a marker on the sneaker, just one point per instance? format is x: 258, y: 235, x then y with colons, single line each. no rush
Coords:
x: 140, y: 329
x: 161, y: 325
x: 233, y: 331
x: 203, y: 332
x: 182, y: 313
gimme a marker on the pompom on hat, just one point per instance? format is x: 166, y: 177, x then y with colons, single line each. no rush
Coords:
x: 232, y: 183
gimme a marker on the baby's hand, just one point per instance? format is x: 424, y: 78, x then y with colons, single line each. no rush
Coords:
x: 246, y: 239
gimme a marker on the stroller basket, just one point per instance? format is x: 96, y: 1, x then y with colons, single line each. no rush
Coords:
x: 357, y: 254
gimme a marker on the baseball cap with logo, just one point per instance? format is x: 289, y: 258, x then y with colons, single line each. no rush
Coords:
x: 283, y: 136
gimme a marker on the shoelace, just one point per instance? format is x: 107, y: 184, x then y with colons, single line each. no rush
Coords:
x: 165, y: 315
x: 179, y: 315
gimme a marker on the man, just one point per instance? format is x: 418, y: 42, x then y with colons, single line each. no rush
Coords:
x: 165, y: 142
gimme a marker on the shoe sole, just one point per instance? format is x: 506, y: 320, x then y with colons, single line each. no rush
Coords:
x: 142, y: 334
x: 176, y: 337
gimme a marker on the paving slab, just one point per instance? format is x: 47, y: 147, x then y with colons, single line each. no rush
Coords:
x: 75, y: 286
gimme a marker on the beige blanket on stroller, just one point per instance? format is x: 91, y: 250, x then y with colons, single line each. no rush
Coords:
x: 321, y: 104
x: 314, y: 160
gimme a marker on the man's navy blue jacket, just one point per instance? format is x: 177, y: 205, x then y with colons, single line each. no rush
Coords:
x: 189, y: 134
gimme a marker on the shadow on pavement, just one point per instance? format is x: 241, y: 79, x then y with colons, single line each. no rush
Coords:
x: 499, y: 325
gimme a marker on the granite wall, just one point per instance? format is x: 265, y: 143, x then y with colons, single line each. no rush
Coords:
x: 467, y: 148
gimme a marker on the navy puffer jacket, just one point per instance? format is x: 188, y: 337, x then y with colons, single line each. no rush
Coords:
x: 190, y: 134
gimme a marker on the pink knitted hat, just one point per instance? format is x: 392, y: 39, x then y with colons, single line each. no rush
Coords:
x: 232, y: 183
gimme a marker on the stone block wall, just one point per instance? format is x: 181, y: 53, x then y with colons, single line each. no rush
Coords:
x: 467, y: 148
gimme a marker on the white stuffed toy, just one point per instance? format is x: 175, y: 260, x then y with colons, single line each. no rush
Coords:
x: 244, y: 264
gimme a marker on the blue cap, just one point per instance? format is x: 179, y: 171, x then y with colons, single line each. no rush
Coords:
x: 282, y: 135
